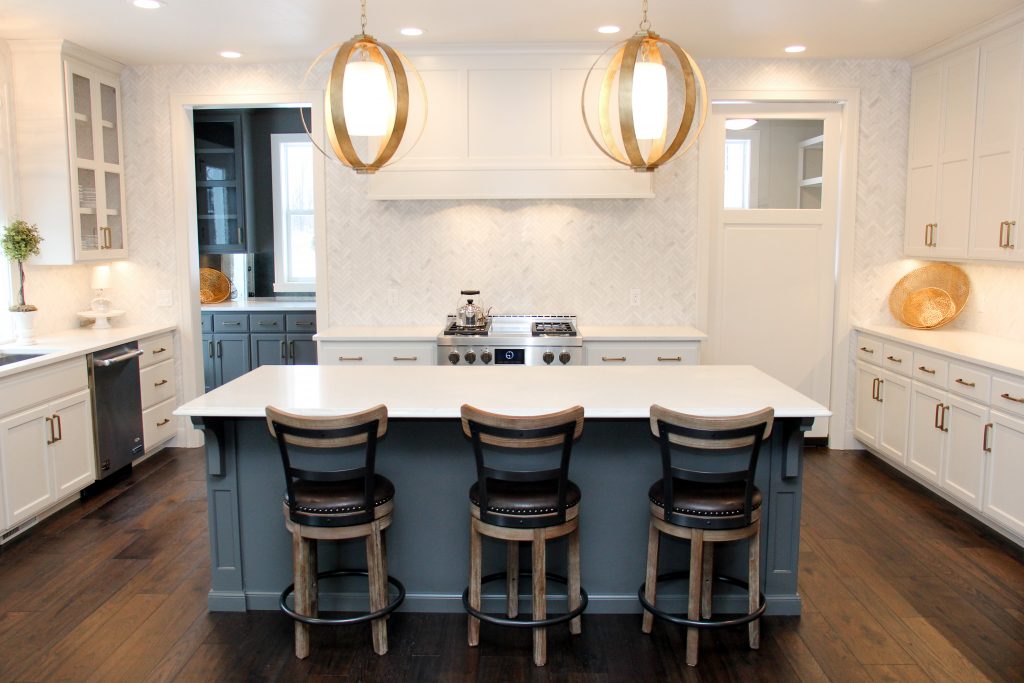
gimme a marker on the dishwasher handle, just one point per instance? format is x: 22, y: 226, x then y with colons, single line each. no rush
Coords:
x: 107, y: 362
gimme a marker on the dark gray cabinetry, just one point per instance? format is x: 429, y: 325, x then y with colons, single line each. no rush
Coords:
x: 222, y: 170
x: 234, y: 343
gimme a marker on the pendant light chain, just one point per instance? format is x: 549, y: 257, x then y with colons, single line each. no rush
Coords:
x: 362, y: 17
x: 645, y: 23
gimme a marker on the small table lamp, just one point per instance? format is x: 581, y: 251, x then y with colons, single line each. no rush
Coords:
x: 100, y: 281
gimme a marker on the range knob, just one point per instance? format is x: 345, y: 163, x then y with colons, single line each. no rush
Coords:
x: 548, y: 357
x: 486, y: 357
x: 564, y: 357
x: 453, y: 357
x: 470, y: 357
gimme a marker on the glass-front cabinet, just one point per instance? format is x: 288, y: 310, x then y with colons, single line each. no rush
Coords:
x: 97, y: 192
x: 220, y: 182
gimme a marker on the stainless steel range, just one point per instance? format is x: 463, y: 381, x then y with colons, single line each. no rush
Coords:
x: 512, y: 340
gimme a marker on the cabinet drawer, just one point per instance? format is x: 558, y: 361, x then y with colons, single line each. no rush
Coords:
x: 158, y: 424
x: 1008, y: 395
x: 156, y: 350
x: 969, y: 381
x: 334, y: 353
x: 899, y: 359
x: 207, y: 322
x: 869, y: 349
x: 301, y: 322
x: 230, y: 322
x: 930, y: 369
x: 266, y: 322
x: 157, y: 383
x: 642, y: 353
x: 32, y: 387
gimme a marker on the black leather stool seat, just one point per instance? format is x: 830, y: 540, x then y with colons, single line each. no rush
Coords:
x: 339, y: 497
x: 705, y: 500
x: 525, y: 498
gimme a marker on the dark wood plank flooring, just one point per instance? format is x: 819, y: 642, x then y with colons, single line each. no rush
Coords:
x: 897, y: 585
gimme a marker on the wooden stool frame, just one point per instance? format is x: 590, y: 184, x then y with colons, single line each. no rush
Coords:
x: 307, y: 528
x: 703, y: 531
x: 507, y: 432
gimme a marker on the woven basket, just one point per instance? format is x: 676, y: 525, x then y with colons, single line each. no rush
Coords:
x: 931, y: 296
x: 214, y: 286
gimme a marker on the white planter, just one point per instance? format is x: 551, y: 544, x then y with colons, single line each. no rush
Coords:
x: 24, y: 327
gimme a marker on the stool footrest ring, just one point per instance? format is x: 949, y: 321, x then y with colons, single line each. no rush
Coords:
x: 359, y: 618
x: 525, y: 623
x: 703, y: 623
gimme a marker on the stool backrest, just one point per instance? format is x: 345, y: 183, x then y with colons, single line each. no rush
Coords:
x: 522, y: 433
x: 330, y: 432
x: 739, y: 435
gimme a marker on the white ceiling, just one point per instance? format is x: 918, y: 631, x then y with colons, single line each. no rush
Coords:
x: 281, y: 30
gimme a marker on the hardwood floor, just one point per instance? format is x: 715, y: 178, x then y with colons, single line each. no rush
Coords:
x: 897, y: 585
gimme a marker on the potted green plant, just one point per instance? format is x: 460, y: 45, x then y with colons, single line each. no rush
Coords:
x: 20, y: 241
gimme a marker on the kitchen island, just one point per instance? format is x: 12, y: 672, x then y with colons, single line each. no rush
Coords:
x: 431, y: 465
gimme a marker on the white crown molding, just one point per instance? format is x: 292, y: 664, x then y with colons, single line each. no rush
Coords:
x: 66, y: 47
x: 968, y: 37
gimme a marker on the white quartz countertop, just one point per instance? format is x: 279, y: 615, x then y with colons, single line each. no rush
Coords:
x: 77, y: 342
x: 259, y: 304
x: 640, y: 333
x: 995, y: 352
x: 440, y: 391
x: 380, y: 333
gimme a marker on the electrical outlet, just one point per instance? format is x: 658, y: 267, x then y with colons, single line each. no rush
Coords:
x: 392, y: 297
x: 634, y: 297
x: 164, y: 298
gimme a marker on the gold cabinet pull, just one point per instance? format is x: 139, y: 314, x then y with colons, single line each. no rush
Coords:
x: 894, y: 359
x: 945, y: 412
x: 160, y: 383
x: 347, y: 358
x: 162, y: 422
x: 929, y: 234
x: 924, y: 369
x: 938, y: 412
x: 874, y: 389
x: 1005, y: 231
x: 675, y: 359
x: 52, y: 439
x: 879, y: 397
x: 160, y: 350
x: 965, y: 383
x: 985, y: 433
x: 409, y: 358
x: 867, y: 350
x: 609, y: 359
x: 1015, y: 399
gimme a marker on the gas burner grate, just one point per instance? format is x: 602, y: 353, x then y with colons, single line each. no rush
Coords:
x: 552, y: 329
x: 462, y: 331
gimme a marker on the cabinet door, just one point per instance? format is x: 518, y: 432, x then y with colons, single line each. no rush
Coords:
x: 209, y: 352
x: 956, y: 156
x: 74, y: 458
x: 995, y: 176
x: 24, y: 454
x: 1003, y: 499
x: 268, y: 349
x: 963, y: 472
x: 922, y: 166
x: 895, y: 409
x: 301, y: 349
x: 927, y: 439
x: 220, y: 186
x: 232, y: 352
x: 866, y: 413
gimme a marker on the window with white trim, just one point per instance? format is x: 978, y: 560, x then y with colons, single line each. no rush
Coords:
x: 294, y: 248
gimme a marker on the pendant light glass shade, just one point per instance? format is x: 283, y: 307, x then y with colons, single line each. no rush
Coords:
x: 367, y: 99
x: 650, y: 100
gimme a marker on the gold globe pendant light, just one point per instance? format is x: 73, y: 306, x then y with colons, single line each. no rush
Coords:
x: 367, y: 96
x: 634, y: 123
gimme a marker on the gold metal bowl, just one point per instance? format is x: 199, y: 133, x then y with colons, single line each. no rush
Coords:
x: 931, y: 296
x: 214, y: 286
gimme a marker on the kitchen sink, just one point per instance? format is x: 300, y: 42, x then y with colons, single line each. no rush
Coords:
x: 8, y: 358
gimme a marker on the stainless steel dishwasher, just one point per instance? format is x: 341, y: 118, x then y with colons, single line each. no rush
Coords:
x: 116, y: 407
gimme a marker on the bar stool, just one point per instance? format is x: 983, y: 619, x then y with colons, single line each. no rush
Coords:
x: 335, y: 505
x: 524, y: 505
x: 708, y: 505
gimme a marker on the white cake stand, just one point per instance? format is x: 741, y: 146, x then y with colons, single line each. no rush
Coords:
x: 102, y: 318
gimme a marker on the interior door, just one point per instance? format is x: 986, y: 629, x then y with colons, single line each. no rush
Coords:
x: 772, y: 250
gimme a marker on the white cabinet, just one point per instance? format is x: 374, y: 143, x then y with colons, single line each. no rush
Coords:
x: 1003, y: 500
x: 25, y: 440
x: 997, y: 149
x: 963, y: 469
x: 880, y: 413
x: 159, y: 390
x: 67, y: 108
x: 939, y: 168
x: 667, y: 353
x: 927, y: 431
x: 376, y: 353
x: 74, y: 466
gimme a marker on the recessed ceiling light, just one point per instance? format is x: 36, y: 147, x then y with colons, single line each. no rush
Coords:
x: 793, y: 49
x: 739, y: 124
x: 147, y: 4
x: 411, y: 31
x: 230, y: 54
x: 608, y: 29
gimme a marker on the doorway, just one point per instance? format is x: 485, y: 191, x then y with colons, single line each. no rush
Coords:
x: 772, y: 249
